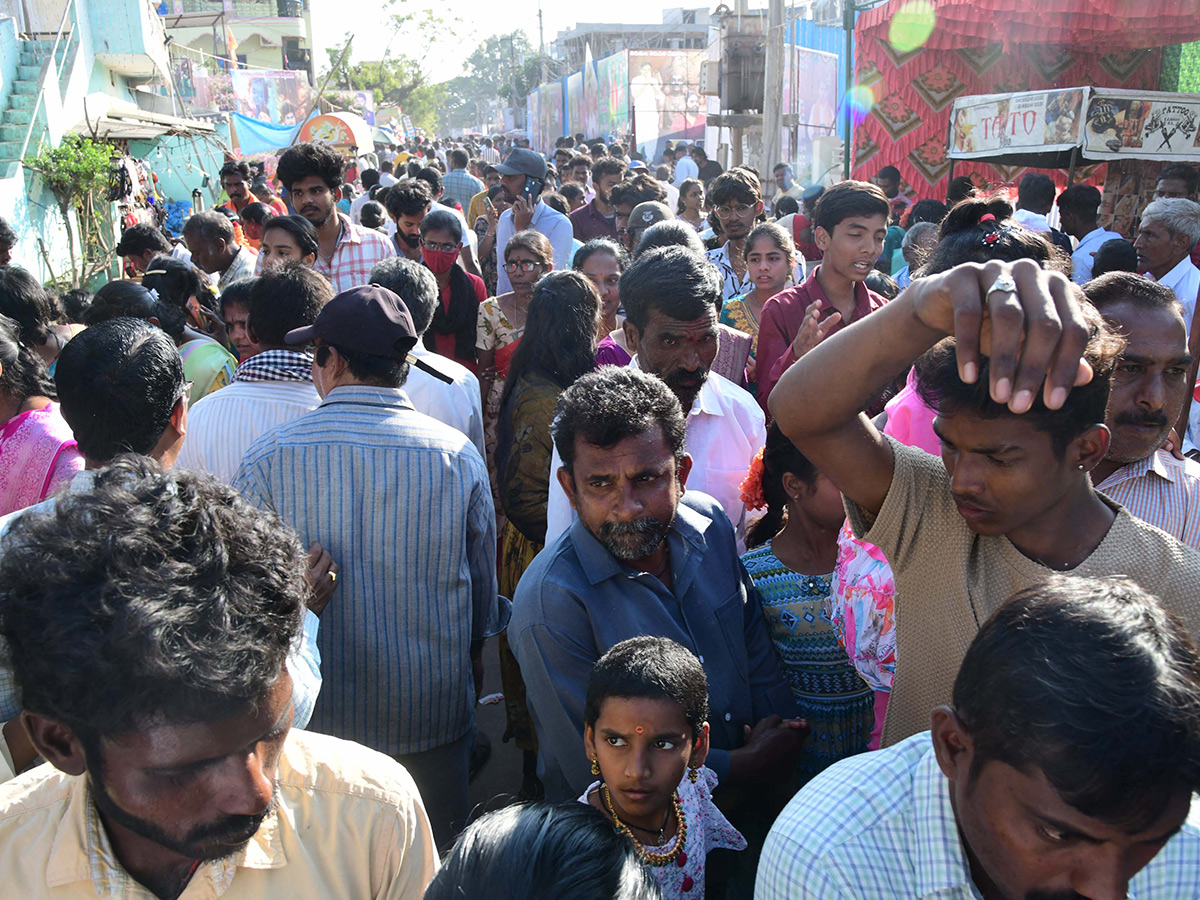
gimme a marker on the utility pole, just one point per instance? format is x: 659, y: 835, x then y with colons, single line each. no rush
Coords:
x: 541, y: 48
x: 772, y: 115
x: 848, y: 11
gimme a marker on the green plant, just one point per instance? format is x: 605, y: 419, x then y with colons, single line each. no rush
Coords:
x: 77, y: 172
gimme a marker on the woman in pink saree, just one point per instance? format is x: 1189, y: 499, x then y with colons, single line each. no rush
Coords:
x: 37, y: 451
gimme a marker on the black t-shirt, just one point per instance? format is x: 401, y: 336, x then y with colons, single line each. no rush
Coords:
x: 709, y: 171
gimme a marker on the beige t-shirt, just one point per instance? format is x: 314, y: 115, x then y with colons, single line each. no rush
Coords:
x: 949, y: 580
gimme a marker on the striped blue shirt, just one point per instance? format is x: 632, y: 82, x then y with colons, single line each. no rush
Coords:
x: 879, y: 826
x: 402, y: 504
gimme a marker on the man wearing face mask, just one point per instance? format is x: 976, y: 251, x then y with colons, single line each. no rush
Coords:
x: 452, y: 331
x: 523, y: 175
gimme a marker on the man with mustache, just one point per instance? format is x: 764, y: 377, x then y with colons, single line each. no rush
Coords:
x: 150, y: 660
x: 644, y: 557
x: 1062, y: 768
x: 1149, y: 386
x: 670, y: 297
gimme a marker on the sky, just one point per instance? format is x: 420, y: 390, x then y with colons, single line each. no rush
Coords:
x: 367, y: 19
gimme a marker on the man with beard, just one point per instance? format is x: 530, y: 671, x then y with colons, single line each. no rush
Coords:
x: 1149, y: 386
x: 313, y: 174
x: 150, y: 660
x: 640, y: 188
x: 407, y: 204
x: 235, y: 182
x: 1062, y: 769
x: 523, y: 176
x: 670, y: 297
x: 644, y: 558
x: 596, y: 219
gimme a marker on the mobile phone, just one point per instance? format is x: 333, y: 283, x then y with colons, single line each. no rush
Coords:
x: 193, y: 308
x: 533, y: 189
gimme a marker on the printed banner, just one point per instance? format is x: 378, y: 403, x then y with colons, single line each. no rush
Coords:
x: 612, y: 77
x: 591, y: 96
x: 575, y: 103
x: 1142, y: 125
x: 361, y: 102
x: 810, y: 80
x: 551, y: 117
x: 1033, y: 121
x: 279, y: 98
x: 664, y: 96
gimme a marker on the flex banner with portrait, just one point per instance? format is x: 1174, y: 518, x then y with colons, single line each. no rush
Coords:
x: 1031, y: 122
x: 1142, y: 125
x: 612, y: 78
x: 664, y: 98
x: 278, y: 97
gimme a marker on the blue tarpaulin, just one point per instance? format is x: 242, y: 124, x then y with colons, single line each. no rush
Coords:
x: 254, y: 136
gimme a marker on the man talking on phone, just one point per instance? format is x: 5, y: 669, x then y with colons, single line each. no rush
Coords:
x: 522, y: 176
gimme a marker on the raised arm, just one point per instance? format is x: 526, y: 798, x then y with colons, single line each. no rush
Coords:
x: 1028, y: 321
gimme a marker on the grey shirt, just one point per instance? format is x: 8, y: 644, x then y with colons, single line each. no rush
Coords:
x: 576, y: 600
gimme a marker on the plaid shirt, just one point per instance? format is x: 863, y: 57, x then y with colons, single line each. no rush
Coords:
x: 459, y: 186
x: 880, y: 826
x: 358, y: 251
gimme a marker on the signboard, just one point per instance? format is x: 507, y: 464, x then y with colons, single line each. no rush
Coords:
x: 1141, y: 125
x: 612, y: 78
x: 664, y: 98
x: 278, y: 97
x: 1029, y: 122
x: 551, y: 117
x: 591, y: 96
x: 575, y: 103
x: 810, y: 80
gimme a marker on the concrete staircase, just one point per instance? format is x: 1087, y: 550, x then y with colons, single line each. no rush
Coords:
x: 18, y: 113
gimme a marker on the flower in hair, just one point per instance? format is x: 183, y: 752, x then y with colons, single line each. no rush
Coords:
x: 752, y: 485
x: 991, y: 237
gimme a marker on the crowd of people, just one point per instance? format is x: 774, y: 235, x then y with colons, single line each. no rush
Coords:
x: 829, y: 544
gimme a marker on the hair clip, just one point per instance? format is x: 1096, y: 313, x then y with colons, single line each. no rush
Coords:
x: 153, y: 292
x: 987, y: 217
x: 991, y: 237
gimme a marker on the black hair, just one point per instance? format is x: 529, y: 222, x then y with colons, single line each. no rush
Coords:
x: 300, y: 229
x: 367, y: 367
x: 74, y: 304
x: 779, y: 456
x: 305, y: 160
x: 604, y: 407
x: 559, y: 342
x: 176, y: 282
x: 1114, y: 255
x: 850, y: 198
x: 459, y: 159
x: 571, y: 191
x: 547, y: 851
x: 557, y: 202
x: 408, y: 199
x: 210, y: 226
x: 676, y: 281
x: 1127, y: 287
x: 600, y: 245
x: 940, y: 386
x: 442, y: 220
x: 431, y: 177
x: 598, y: 147
x: 882, y: 284
x: 927, y: 211
x: 411, y: 282
x: 786, y: 206
x: 606, y: 165
x: 669, y: 233
x: 256, y: 212
x: 238, y: 291
x: 1082, y: 200
x: 738, y: 185
x: 959, y: 189
x: 1185, y: 173
x: 8, y: 237
x: 654, y: 668
x: 23, y: 374
x: 140, y: 238
x: 639, y: 189
x: 287, y: 297
x: 372, y: 214
x: 386, y: 167
x: 121, y: 298
x: 369, y: 178
x: 119, y: 382
x: 533, y: 241
x: 1035, y: 192
x: 154, y: 596
x: 25, y: 301
x: 1092, y: 682
x: 967, y: 236
x: 235, y: 167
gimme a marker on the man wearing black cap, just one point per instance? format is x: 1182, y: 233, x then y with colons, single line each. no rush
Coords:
x: 523, y: 175
x: 403, y: 503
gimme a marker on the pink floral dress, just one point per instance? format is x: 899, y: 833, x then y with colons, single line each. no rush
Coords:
x: 707, y: 829
x: 38, y: 455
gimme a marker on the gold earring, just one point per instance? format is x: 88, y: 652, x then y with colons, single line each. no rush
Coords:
x: 595, y: 766
x: 693, y: 773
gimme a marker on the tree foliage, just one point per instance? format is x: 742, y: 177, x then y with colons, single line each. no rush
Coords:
x: 502, y: 69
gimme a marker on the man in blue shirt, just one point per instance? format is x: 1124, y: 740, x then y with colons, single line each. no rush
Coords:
x: 1064, y: 770
x: 644, y: 558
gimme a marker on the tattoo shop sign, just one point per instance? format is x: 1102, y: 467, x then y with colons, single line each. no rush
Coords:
x: 1032, y: 121
x: 1142, y: 125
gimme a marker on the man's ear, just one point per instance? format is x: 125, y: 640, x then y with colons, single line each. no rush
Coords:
x: 56, y: 743
x: 1090, y: 447
x: 567, y: 481
x: 685, y: 469
x: 631, y: 336
x: 952, y: 744
x: 822, y: 238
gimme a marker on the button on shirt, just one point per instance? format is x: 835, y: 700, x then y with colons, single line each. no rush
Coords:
x: 725, y: 429
x: 349, y: 825
x: 403, y: 503
x: 1184, y: 280
x: 551, y: 223
x: 357, y: 253
x: 576, y: 600
x: 1082, y: 259
x: 1161, y: 490
x: 880, y: 826
x: 588, y: 223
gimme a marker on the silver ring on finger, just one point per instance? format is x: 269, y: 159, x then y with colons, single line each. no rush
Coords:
x: 333, y: 576
x: 1004, y: 283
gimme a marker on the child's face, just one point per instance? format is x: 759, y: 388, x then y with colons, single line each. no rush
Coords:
x: 643, y: 747
x: 854, y: 246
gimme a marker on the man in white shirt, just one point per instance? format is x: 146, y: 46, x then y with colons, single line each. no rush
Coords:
x: 670, y: 299
x: 1035, y: 200
x: 369, y: 178
x: 685, y: 166
x: 271, y: 387
x: 1168, y: 232
x: 454, y: 400
x: 523, y: 175
x: 1079, y: 211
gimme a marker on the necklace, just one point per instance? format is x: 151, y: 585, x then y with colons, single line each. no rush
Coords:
x: 649, y: 857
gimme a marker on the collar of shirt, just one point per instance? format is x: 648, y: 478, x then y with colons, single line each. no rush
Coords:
x: 276, y: 365
x: 708, y: 400
x: 1159, y: 463
x: 1178, y: 275
x: 1097, y: 236
x: 686, y: 536
x: 863, y: 298
x: 1031, y: 220
x: 940, y: 864
x: 82, y: 851
x: 368, y: 395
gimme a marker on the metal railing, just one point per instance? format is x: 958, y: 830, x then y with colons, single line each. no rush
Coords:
x: 66, y: 29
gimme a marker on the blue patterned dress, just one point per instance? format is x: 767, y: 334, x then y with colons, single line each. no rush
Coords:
x: 832, y: 696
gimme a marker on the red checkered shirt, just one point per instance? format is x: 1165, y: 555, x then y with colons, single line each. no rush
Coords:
x: 357, y: 252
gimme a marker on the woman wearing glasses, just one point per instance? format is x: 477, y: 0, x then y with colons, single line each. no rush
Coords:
x: 452, y: 331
